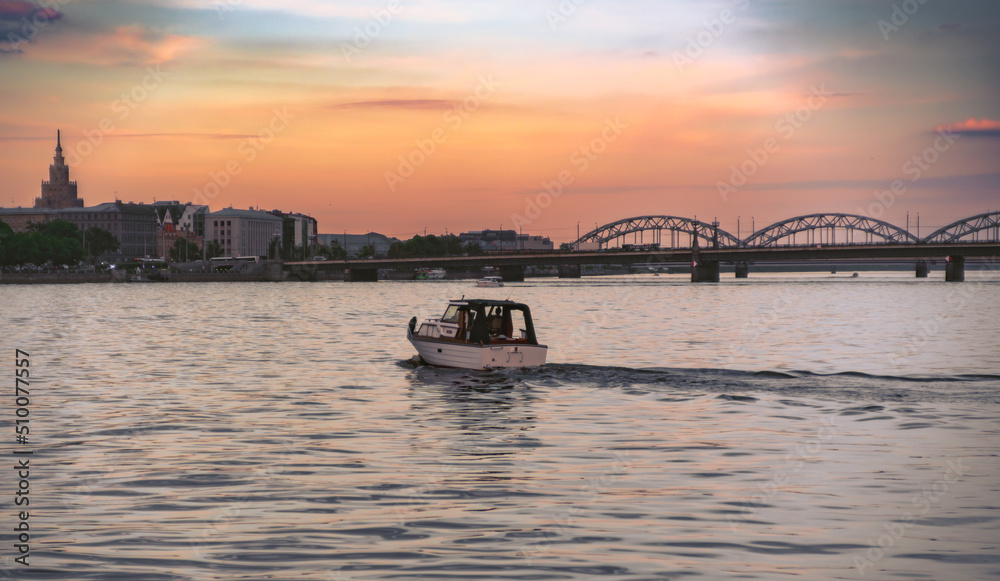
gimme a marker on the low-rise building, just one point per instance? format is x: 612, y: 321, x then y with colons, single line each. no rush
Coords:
x: 528, y: 242
x: 500, y: 240
x: 181, y: 217
x: 243, y: 232
x: 174, y: 221
x: 134, y: 225
x: 19, y: 219
x: 298, y: 231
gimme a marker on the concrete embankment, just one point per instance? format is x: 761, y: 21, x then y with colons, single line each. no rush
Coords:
x: 73, y: 278
x: 52, y: 277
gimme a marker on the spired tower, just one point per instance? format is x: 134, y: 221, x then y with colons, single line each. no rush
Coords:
x: 58, y: 192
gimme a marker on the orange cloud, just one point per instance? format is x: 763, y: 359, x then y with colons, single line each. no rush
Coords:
x: 972, y: 126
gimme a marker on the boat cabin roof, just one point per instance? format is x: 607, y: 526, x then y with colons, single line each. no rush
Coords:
x: 487, y: 303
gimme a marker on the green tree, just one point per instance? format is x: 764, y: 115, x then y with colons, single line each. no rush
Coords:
x: 57, y: 241
x: 183, y: 250
x: 98, y: 241
x: 7, y: 237
x: 213, y: 249
x: 367, y: 251
x: 332, y: 251
x: 66, y: 251
x: 22, y: 250
x: 421, y: 246
x: 56, y: 228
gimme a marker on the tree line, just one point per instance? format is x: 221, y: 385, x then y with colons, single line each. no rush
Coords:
x: 57, y: 242
x: 60, y: 242
x: 424, y: 246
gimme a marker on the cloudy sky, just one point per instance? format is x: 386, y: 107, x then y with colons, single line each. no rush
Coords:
x: 400, y: 115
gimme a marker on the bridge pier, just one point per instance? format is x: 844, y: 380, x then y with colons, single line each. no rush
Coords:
x: 512, y: 273
x: 742, y: 270
x: 954, y: 271
x: 362, y: 275
x: 302, y: 274
x: 705, y: 271
x: 569, y: 271
x: 922, y: 269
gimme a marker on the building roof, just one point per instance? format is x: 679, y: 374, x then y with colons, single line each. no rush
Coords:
x: 116, y: 206
x: 175, y: 211
x: 371, y: 237
x: 20, y: 210
x: 105, y: 207
x: 238, y: 213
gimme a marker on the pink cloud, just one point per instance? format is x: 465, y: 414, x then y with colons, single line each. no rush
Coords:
x: 18, y: 9
x: 125, y: 45
x: 972, y: 126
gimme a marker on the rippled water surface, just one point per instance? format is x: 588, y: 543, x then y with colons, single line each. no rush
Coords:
x: 817, y: 427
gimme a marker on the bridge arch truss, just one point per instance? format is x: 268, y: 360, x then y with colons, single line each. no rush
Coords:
x: 971, y: 226
x: 819, y: 229
x: 708, y: 234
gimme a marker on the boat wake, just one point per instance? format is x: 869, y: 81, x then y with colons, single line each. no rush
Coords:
x: 849, y: 385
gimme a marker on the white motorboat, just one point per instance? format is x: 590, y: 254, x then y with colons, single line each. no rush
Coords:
x: 490, y: 281
x: 478, y: 334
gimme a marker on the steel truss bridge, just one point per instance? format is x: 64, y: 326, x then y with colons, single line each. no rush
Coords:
x: 815, y: 237
x: 809, y: 230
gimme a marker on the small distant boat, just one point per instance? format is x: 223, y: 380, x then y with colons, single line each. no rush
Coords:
x: 490, y: 281
x: 478, y: 334
x: 432, y: 274
x: 855, y: 275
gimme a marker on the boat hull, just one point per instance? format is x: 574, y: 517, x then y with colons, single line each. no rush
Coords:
x: 481, y: 357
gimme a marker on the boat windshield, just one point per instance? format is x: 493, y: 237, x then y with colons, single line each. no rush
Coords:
x: 450, y: 315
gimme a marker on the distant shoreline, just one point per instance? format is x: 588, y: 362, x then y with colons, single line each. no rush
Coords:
x: 283, y: 276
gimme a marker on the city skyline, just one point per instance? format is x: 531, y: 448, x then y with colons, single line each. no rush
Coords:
x: 398, y: 116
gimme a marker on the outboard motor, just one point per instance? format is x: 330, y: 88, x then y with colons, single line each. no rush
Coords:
x: 413, y: 326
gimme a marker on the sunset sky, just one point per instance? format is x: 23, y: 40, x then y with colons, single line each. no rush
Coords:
x: 400, y: 115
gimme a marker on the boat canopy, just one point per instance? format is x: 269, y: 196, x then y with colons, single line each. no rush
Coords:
x: 489, y: 315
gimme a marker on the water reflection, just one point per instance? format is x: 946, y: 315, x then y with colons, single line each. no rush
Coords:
x: 482, y: 414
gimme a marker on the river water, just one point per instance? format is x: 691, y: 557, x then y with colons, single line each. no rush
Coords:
x: 810, y: 426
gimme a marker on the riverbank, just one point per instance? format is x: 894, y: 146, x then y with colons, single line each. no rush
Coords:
x: 85, y: 278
